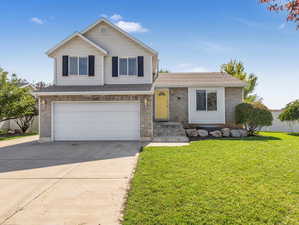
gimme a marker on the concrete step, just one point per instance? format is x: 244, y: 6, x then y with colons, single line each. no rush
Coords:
x: 171, y: 139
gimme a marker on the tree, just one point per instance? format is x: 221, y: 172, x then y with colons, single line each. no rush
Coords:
x: 290, y: 112
x: 15, y: 102
x: 163, y: 71
x: 236, y: 69
x: 253, y: 116
x: 291, y: 6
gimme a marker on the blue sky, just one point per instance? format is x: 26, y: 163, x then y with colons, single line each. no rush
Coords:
x: 189, y: 36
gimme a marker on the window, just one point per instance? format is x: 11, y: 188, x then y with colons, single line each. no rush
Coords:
x: 73, y: 65
x: 128, y: 66
x: 206, y: 100
x: 83, y: 65
x: 78, y: 65
x: 132, y: 62
x: 123, y: 66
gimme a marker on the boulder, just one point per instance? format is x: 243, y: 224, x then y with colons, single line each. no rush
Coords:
x: 235, y: 133
x: 216, y: 133
x: 191, y: 132
x: 203, y: 133
x: 11, y: 132
x: 244, y: 133
x: 225, y: 132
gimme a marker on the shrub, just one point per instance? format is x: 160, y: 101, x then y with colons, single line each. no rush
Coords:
x: 253, y: 116
x: 290, y: 112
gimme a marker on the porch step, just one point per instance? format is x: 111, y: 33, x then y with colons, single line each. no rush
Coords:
x: 169, y: 132
x: 171, y: 139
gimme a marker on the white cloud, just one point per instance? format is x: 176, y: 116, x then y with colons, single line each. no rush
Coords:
x: 116, y: 17
x: 189, y: 67
x: 131, y: 27
x: 37, y: 20
x: 281, y: 26
x: 104, y: 15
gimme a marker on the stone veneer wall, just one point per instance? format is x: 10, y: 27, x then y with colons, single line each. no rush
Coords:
x: 178, y: 105
x: 233, y: 97
x: 146, y: 111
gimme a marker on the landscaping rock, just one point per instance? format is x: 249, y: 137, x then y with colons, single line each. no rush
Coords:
x: 10, y: 132
x: 225, y: 132
x: 244, y: 133
x: 202, y: 133
x: 235, y: 133
x: 191, y: 132
x: 216, y: 133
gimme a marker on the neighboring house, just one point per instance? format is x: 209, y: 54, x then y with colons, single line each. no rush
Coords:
x: 106, y: 87
x: 279, y: 126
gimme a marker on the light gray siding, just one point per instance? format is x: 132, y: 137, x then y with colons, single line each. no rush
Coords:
x: 78, y: 47
x: 119, y: 45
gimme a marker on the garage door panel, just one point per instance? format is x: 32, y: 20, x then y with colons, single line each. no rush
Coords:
x: 96, y: 121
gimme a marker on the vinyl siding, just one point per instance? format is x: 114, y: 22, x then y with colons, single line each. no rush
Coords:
x: 77, y: 47
x: 119, y: 45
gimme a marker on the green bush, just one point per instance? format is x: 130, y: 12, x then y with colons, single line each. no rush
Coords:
x: 253, y: 116
x: 290, y: 112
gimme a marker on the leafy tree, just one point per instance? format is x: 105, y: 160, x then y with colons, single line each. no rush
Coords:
x: 15, y: 102
x: 290, y: 6
x: 163, y: 71
x: 237, y: 69
x: 253, y: 116
x: 290, y: 112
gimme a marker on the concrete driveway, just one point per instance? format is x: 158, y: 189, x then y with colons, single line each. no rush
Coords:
x: 65, y: 183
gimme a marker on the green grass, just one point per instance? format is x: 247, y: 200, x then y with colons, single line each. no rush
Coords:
x: 16, y: 136
x: 246, y: 181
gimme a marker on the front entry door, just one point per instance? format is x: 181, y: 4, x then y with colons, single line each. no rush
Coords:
x: 162, y: 104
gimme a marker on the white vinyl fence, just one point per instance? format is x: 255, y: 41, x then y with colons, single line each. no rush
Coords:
x: 278, y: 126
x: 12, y: 125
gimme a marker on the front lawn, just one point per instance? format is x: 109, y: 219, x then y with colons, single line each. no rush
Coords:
x: 247, y: 181
x: 10, y: 137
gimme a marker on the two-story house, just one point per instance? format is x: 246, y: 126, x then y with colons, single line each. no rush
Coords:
x: 105, y: 88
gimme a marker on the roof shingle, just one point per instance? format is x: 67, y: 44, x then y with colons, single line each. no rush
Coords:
x: 215, y: 79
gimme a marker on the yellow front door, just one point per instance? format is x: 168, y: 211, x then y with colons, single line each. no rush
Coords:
x: 162, y: 104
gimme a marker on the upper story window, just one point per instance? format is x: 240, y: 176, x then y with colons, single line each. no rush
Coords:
x: 206, y: 100
x: 78, y: 65
x: 128, y: 66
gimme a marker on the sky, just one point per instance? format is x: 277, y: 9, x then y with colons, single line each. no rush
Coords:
x: 190, y: 36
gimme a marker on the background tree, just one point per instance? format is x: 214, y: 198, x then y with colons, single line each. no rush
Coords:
x: 237, y: 69
x: 253, y: 116
x: 290, y: 6
x: 163, y: 71
x: 15, y: 102
x: 290, y: 112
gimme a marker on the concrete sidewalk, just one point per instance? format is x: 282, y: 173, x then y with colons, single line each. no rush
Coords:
x: 65, y: 183
x: 19, y: 141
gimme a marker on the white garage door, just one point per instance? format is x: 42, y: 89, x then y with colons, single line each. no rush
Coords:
x: 96, y: 121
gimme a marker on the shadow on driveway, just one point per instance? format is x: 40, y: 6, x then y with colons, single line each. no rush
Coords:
x: 38, y: 155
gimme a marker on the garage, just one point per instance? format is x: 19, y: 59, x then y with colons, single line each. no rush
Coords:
x: 95, y: 121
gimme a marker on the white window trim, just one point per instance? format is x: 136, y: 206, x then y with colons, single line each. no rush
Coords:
x: 127, y: 57
x: 78, y: 66
x: 207, y: 91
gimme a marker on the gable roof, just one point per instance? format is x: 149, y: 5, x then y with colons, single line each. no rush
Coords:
x: 77, y: 34
x: 121, y: 31
x: 212, y: 79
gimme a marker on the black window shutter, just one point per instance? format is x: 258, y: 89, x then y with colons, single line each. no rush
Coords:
x: 91, y: 65
x: 140, y: 66
x: 65, y: 65
x: 114, y: 66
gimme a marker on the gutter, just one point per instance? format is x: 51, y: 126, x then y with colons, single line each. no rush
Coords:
x: 151, y: 92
